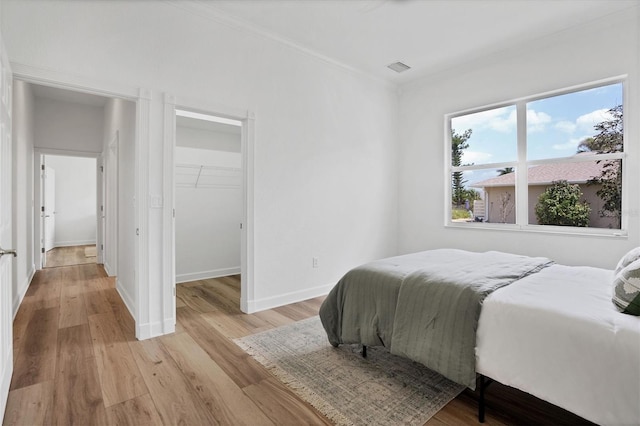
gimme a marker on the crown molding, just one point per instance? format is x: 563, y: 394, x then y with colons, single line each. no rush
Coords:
x: 207, y: 10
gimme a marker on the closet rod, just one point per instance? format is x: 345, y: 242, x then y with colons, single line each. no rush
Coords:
x: 198, y: 178
x: 201, y: 167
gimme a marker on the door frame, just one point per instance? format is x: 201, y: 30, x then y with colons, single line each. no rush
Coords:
x: 142, y: 98
x: 100, y: 201
x: 48, y: 178
x: 108, y: 186
x: 38, y: 194
x: 7, y: 226
x: 247, y: 118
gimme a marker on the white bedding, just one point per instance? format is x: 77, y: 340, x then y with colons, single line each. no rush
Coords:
x: 557, y: 335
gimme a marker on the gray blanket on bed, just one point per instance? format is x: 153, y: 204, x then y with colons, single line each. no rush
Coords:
x: 424, y: 306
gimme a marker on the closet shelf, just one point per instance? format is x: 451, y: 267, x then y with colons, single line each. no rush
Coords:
x: 205, y: 176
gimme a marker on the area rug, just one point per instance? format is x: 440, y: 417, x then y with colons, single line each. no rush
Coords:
x: 382, y: 389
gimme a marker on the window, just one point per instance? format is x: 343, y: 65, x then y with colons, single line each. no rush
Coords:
x: 540, y: 163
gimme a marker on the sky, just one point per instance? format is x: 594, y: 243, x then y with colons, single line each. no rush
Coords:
x: 555, y: 127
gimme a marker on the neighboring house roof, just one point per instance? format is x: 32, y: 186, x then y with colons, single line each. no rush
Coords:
x: 545, y: 174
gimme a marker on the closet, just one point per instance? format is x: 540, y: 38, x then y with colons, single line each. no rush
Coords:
x: 208, y: 199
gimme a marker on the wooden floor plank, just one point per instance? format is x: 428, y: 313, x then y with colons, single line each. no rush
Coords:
x: 72, y: 307
x: 68, y: 256
x: 31, y: 405
x: 139, y: 411
x: 460, y: 413
x: 119, y: 375
x: 193, y: 299
x: 20, y: 324
x: 99, y: 284
x: 272, y: 319
x: 227, y: 326
x: 46, y: 290
x: 253, y: 323
x: 214, y: 387
x: 96, y: 302
x: 180, y: 303
x: 282, y: 405
x: 315, y: 303
x: 93, y: 271
x: 297, y: 311
x: 121, y: 313
x: 77, y: 393
x: 234, y: 361
x: 37, y: 360
x: 175, y: 399
x: 223, y: 296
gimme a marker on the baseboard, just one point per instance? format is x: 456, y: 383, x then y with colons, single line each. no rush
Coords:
x: 126, y: 298
x: 74, y: 243
x: 155, y: 329
x: 22, y: 291
x: 107, y: 269
x: 216, y: 273
x: 257, y: 305
x: 149, y: 330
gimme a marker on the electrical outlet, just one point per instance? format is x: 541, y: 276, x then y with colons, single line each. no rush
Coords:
x: 314, y: 262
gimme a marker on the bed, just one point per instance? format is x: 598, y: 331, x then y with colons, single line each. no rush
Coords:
x: 549, y: 330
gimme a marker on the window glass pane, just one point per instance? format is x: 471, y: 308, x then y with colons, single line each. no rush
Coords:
x: 490, y: 194
x: 463, y: 196
x: 589, y: 120
x: 484, y: 137
x: 576, y: 194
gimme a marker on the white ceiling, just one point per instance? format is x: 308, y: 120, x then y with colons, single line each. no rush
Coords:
x: 428, y: 35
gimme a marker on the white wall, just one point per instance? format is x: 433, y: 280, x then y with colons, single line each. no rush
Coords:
x: 606, y: 48
x: 23, y: 200
x: 119, y: 119
x: 75, y: 198
x: 208, y: 215
x: 68, y: 126
x: 325, y: 137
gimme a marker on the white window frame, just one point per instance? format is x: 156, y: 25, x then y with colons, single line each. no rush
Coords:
x: 521, y: 163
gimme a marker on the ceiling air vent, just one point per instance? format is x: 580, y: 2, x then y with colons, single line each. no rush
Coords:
x: 398, y: 67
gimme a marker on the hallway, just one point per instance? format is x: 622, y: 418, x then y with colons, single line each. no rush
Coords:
x: 67, y: 334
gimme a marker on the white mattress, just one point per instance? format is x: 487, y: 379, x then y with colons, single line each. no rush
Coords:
x: 557, y: 335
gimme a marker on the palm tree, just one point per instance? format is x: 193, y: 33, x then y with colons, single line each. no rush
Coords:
x: 505, y: 171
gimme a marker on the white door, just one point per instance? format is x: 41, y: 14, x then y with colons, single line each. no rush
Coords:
x: 49, y: 207
x: 101, y: 226
x: 6, y: 255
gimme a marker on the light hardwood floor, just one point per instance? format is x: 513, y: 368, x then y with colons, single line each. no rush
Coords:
x: 77, y: 362
x: 68, y: 256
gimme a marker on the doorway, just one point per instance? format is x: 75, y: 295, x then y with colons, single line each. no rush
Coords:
x: 208, y: 207
x: 69, y: 220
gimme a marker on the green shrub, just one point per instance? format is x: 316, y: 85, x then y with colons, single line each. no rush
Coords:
x: 460, y: 214
x: 560, y: 205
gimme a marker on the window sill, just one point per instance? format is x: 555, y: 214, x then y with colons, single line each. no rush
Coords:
x: 541, y: 229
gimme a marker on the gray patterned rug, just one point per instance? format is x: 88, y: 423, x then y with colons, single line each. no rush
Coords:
x: 382, y: 389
